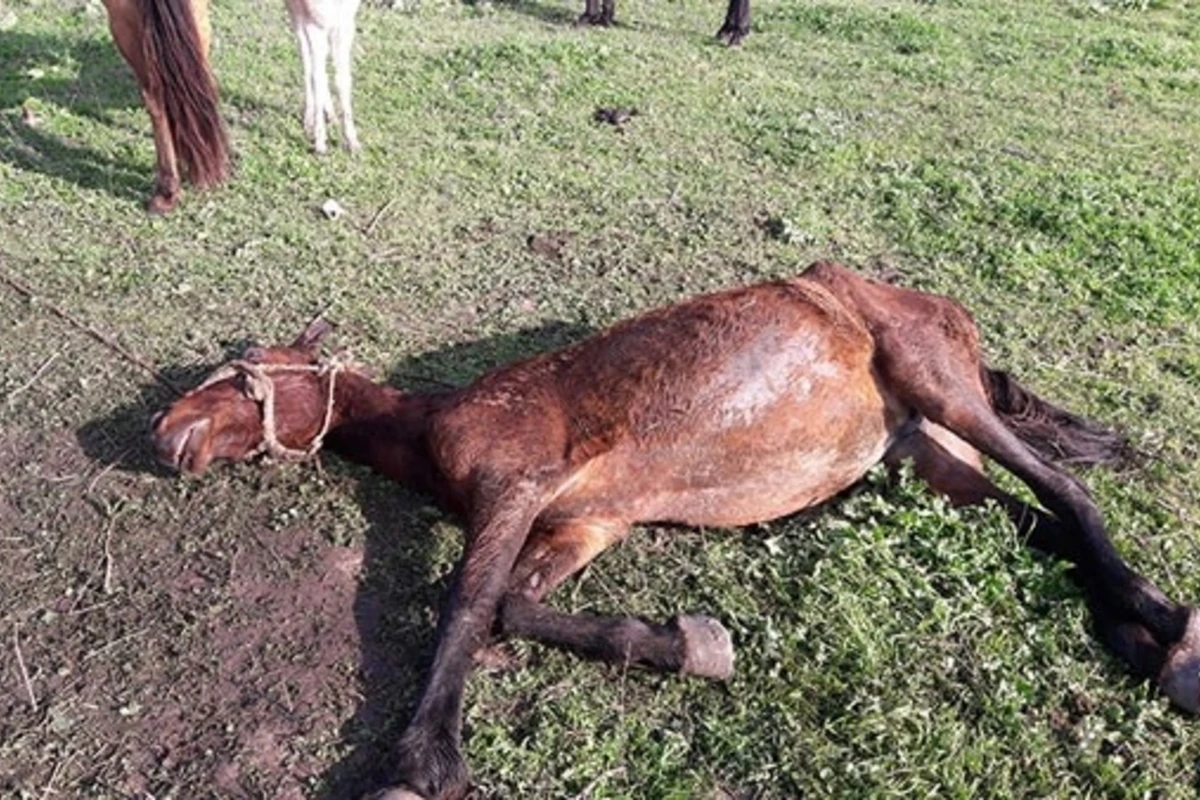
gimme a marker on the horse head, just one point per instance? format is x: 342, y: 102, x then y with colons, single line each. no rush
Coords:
x: 277, y: 400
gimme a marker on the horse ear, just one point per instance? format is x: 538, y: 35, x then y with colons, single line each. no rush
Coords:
x: 312, y: 335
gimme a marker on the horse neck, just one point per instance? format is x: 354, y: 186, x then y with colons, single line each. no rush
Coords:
x: 386, y: 430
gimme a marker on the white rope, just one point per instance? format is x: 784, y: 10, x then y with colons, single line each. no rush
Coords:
x: 261, y: 388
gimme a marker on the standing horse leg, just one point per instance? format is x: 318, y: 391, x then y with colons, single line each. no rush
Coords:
x: 596, y: 14
x: 737, y: 23
x: 608, y: 12
x: 954, y: 469
x: 693, y: 645
x: 343, y: 42
x: 306, y: 61
x: 316, y: 98
x: 166, y: 184
x: 125, y: 24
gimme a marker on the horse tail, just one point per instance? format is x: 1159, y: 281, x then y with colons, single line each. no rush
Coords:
x: 1054, y: 433
x: 178, y: 74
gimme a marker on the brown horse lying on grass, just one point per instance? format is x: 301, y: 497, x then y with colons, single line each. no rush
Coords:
x: 726, y: 409
x: 166, y: 45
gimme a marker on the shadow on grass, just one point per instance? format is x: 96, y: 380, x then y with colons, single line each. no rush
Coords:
x: 105, y: 83
x: 550, y: 13
x: 121, y: 439
x: 398, y: 586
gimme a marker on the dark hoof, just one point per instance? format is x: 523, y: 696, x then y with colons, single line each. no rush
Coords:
x: 162, y: 203
x: 594, y: 20
x: 429, y: 767
x: 732, y: 36
x: 707, y: 647
x: 1180, y: 676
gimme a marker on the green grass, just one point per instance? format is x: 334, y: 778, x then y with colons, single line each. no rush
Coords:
x: 1036, y: 160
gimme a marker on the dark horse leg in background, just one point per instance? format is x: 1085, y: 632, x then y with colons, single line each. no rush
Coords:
x: 735, y: 29
x: 598, y: 12
x: 737, y: 23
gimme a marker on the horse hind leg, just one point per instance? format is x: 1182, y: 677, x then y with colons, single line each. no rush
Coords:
x: 954, y: 469
x: 597, y: 12
x: 940, y: 377
x: 127, y: 31
x: 167, y: 188
x: 737, y: 23
x: 687, y: 644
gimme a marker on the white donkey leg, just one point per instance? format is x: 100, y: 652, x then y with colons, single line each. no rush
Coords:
x: 318, y: 42
x: 343, y: 42
x: 306, y: 59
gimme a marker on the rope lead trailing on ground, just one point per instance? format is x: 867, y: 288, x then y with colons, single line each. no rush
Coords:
x: 23, y: 290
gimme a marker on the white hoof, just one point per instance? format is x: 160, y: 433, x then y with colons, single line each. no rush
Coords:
x: 707, y: 647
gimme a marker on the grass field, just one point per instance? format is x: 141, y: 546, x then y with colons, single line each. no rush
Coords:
x: 260, y: 632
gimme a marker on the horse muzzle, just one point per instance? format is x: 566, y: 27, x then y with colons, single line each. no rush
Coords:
x: 181, y: 447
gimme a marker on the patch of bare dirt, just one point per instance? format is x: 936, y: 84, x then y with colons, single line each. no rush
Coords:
x: 176, y: 638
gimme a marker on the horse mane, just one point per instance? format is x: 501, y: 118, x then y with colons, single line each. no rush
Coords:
x: 177, y: 72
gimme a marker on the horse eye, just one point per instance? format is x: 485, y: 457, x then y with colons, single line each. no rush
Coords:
x: 254, y: 355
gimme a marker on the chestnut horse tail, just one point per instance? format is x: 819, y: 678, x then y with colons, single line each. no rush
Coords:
x: 179, y: 76
x: 1055, y: 433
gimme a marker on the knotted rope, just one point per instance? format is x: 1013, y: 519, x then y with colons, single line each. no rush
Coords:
x: 261, y: 388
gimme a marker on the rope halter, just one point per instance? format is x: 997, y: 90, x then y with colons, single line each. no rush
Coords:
x: 261, y: 389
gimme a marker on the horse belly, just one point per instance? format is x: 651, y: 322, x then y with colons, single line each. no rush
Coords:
x: 797, y: 453
x: 773, y: 489
x: 754, y: 486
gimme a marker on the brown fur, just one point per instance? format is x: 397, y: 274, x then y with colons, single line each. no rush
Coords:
x: 726, y: 409
x: 166, y: 44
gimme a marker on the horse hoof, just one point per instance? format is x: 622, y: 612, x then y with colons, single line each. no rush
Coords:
x: 707, y: 647
x: 731, y: 37
x: 161, y: 203
x: 593, y: 21
x: 1180, y: 675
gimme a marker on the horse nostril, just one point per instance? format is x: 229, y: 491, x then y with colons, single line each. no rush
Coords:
x: 155, y: 419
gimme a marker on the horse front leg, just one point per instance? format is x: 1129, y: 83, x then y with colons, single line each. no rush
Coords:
x: 166, y: 184
x: 314, y: 53
x: 310, y: 100
x: 737, y: 23
x: 430, y: 764
x: 688, y: 644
